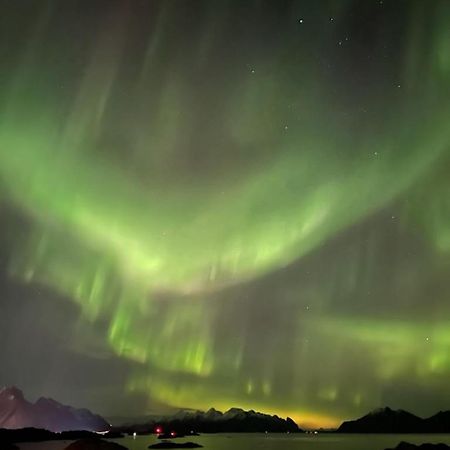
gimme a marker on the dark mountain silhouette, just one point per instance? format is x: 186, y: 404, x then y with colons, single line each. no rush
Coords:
x: 386, y: 420
x: 439, y: 423
x: 17, y: 412
x: 235, y: 420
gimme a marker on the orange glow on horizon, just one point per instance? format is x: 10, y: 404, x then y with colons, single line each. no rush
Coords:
x: 304, y: 419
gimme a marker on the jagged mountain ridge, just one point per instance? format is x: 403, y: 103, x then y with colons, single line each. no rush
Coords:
x: 17, y: 412
x: 213, y: 421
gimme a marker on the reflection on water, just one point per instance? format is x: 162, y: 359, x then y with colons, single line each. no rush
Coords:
x: 274, y: 441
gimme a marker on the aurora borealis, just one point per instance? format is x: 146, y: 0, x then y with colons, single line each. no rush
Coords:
x: 226, y: 203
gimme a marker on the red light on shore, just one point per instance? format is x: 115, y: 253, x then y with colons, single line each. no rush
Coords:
x: 158, y: 430
x: 173, y: 434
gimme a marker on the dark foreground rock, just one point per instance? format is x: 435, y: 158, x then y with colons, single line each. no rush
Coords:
x: 407, y: 446
x: 94, y: 444
x: 8, y: 446
x: 25, y: 435
x: 168, y: 444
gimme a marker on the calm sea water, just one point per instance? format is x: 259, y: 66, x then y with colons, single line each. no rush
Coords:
x: 326, y: 441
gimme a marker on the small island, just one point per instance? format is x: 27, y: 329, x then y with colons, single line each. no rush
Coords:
x: 169, y: 444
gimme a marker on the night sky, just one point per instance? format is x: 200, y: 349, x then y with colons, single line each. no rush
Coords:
x: 226, y: 203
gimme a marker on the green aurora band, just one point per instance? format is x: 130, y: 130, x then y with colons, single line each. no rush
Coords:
x: 165, y: 180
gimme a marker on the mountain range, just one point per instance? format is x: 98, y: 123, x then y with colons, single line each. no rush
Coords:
x: 17, y: 412
x: 234, y: 420
x: 387, y: 420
